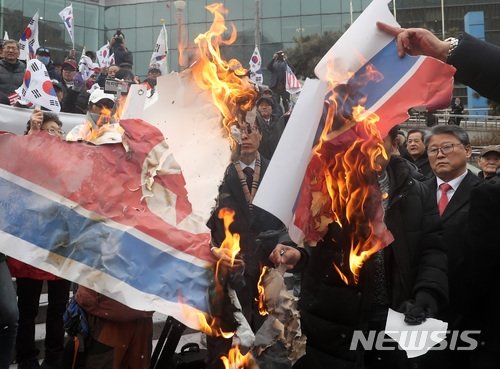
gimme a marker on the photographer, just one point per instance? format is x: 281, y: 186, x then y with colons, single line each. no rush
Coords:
x: 118, y: 48
x: 278, y: 66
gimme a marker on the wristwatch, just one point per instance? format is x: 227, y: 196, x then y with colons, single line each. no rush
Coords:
x: 453, y: 44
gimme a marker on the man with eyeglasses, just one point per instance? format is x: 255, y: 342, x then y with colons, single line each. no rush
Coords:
x: 11, y: 68
x: 449, y: 148
x: 260, y: 231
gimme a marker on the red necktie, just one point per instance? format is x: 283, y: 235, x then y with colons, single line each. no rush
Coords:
x: 443, y: 201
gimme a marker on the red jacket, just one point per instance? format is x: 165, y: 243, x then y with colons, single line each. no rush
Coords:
x: 19, y: 269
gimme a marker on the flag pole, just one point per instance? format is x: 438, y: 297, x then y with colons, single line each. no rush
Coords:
x: 162, y: 21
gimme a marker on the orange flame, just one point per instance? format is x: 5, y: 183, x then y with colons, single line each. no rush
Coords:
x: 106, y: 116
x: 236, y: 360
x: 262, y: 297
x: 231, y: 243
x: 207, y: 324
x: 229, y: 88
x: 350, y: 177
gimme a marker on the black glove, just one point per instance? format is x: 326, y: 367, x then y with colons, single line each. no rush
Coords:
x: 417, y: 311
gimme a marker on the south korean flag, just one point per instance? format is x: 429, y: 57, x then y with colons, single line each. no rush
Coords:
x: 37, y: 88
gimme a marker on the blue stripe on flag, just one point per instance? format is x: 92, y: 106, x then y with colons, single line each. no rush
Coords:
x: 99, y: 246
x: 391, y: 66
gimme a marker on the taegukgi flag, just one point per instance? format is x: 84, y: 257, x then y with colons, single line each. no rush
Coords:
x: 37, y: 88
x: 67, y: 17
x: 256, y: 67
x: 104, y: 57
x: 28, y: 43
x: 400, y: 84
x: 160, y: 51
x: 86, y: 66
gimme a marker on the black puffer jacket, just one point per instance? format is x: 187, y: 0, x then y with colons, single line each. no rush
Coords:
x: 416, y: 260
x: 11, y: 76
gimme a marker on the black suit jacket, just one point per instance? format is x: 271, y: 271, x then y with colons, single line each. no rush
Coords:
x: 482, y: 259
x: 259, y: 230
x: 455, y: 237
x: 477, y: 64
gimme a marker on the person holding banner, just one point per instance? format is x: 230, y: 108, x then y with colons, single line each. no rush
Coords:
x: 30, y: 280
x: 11, y: 68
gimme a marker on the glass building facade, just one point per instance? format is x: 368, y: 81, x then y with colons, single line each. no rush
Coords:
x: 280, y: 22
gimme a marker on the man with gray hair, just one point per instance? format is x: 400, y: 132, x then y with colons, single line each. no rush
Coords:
x: 416, y: 152
x: 449, y: 148
x: 11, y: 69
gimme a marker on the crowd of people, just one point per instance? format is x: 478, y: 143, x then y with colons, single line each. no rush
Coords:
x: 444, y: 220
x: 73, y: 91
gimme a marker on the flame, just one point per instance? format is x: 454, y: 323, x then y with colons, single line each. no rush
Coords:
x: 225, y: 80
x: 350, y: 173
x: 236, y: 360
x: 207, y: 324
x: 231, y: 241
x: 262, y: 297
x: 89, y: 132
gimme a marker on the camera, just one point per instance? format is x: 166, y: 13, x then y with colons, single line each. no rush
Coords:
x: 113, y: 86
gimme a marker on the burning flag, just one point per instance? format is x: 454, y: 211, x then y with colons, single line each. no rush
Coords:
x: 28, y: 44
x: 371, y: 90
x: 100, y: 217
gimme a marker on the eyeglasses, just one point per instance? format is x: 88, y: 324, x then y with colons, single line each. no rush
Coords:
x: 445, y: 149
x: 54, y: 132
x: 43, y: 51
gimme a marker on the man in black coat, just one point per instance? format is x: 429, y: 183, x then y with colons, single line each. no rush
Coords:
x: 259, y: 230
x: 481, y: 259
x: 278, y: 67
x: 412, y: 268
x: 448, y: 148
x: 11, y: 68
x: 417, y: 153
